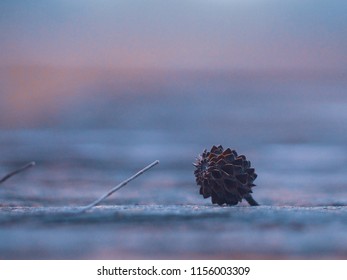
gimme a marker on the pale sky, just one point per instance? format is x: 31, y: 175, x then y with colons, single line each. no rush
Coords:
x: 176, y: 34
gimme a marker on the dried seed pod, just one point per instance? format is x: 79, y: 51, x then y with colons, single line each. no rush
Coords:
x: 225, y: 176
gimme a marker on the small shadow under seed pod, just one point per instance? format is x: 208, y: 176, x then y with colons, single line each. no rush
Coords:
x: 225, y: 176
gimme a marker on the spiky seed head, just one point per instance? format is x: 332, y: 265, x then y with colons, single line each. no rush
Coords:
x: 224, y: 176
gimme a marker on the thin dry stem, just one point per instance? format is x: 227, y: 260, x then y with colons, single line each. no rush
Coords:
x: 23, y: 168
x: 249, y: 198
x: 116, y: 188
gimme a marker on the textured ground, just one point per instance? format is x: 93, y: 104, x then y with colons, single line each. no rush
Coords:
x: 174, y: 231
x: 293, y: 131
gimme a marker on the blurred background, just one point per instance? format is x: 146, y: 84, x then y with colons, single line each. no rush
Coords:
x: 94, y: 90
x: 71, y: 65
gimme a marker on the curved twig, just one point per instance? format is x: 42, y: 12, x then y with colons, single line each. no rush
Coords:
x: 9, y: 175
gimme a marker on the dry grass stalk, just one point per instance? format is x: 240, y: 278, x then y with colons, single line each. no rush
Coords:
x: 116, y: 188
x: 23, y: 168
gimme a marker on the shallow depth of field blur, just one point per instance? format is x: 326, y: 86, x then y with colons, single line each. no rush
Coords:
x: 95, y: 90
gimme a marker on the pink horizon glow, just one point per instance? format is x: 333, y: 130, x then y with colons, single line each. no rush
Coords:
x: 55, y: 53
